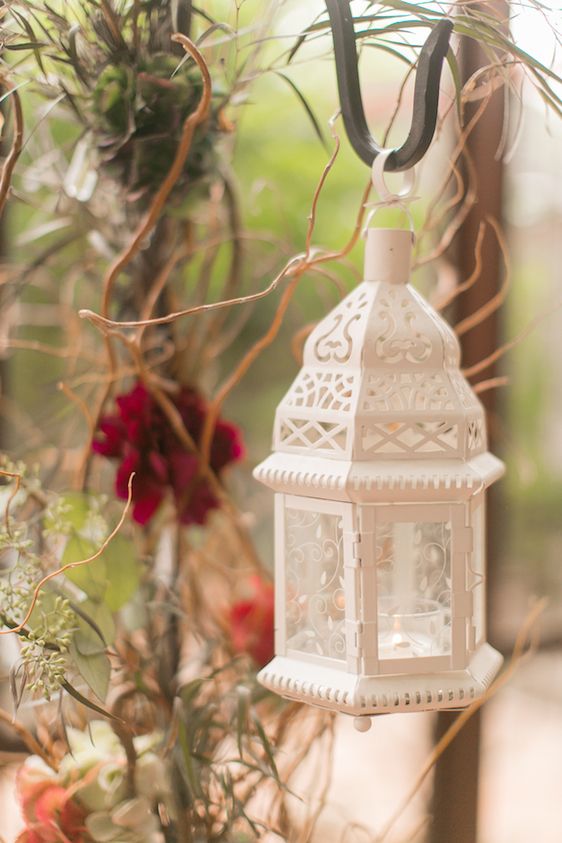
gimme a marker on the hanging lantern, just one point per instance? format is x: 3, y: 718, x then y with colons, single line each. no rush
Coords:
x: 380, y: 469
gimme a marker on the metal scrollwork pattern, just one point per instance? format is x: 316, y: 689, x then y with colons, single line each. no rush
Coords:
x: 401, y: 338
x: 322, y: 390
x: 315, y: 609
x: 335, y: 345
x: 408, y: 391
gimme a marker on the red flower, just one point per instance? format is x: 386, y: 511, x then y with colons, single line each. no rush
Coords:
x: 140, y: 436
x: 251, y: 623
x: 50, y: 814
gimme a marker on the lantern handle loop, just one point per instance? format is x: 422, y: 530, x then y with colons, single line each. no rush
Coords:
x: 387, y: 198
x: 426, y: 90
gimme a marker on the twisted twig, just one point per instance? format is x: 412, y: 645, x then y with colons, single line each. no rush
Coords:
x: 16, y: 148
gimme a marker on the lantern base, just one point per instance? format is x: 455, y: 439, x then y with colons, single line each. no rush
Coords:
x: 328, y: 687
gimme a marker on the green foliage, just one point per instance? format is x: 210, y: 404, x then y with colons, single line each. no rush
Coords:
x: 140, y: 112
x: 114, y: 576
x: 46, y: 651
x: 69, y: 629
x: 200, y: 718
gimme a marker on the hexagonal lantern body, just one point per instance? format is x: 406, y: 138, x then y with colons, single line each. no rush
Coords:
x: 380, y: 469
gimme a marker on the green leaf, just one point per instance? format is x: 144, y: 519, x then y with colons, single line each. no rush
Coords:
x: 92, y: 577
x: 94, y: 668
x: 311, y: 115
x: 24, y: 46
x: 192, y: 780
x: 114, y: 576
x: 265, y: 744
x: 88, y: 644
x: 456, y: 75
x: 101, y: 617
x: 121, y: 571
x: 87, y: 648
x: 70, y: 689
x: 78, y: 509
x: 22, y: 20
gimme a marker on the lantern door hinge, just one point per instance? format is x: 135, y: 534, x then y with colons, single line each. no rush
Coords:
x: 354, y: 636
x: 361, y: 638
x: 361, y: 549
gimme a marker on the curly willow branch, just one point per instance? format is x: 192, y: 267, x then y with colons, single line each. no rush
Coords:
x: 486, y: 362
x: 235, y: 377
x: 70, y: 565
x: 448, y: 298
x: 293, y: 269
x: 16, y: 148
x: 147, y: 224
x: 482, y: 313
x: 192, y: 121
x: 490, y: 383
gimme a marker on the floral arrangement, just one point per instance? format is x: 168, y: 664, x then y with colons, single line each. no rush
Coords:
x: 130, y: 577
x: 89, y: 797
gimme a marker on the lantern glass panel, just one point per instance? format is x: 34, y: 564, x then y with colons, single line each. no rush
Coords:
x: 413, y: 589
x: 315, y: 603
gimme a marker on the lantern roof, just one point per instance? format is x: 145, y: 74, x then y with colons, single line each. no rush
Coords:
x: 380, y: 403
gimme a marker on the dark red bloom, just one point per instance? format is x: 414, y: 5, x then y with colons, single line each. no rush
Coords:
x: 140, y: 436
x: 252, y: 622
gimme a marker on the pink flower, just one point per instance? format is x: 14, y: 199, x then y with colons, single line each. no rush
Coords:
x: 252, y: 622
x: 140, y: 436
x: 49, y: 811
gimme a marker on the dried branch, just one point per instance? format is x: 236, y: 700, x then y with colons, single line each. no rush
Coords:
x: 496, y: 301
x: 310, y: 825
x: 491, y: 383
x: 486, y: 362
x: 28, y: 739
x: 299, y: 339
x: 147, y: 224
x: 266, y: 340
x: 103, y: 322
x: 466, y: 192
x: 448, y: 298
x: 16, y: 148
x: 80, y: 403
x: 149, y: 221
x: 525, y: 639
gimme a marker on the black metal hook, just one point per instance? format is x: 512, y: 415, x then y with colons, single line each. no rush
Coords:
x: 426, y: 90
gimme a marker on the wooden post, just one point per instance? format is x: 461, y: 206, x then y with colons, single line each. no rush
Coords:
x: 455, y: 792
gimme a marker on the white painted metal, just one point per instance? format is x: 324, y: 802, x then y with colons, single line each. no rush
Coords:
x: 380, y: 469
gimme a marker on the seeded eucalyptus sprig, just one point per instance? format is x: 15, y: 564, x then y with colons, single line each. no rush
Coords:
x: 65, y: 627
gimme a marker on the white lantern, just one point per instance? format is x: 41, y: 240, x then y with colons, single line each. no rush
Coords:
x: 380, y: 470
